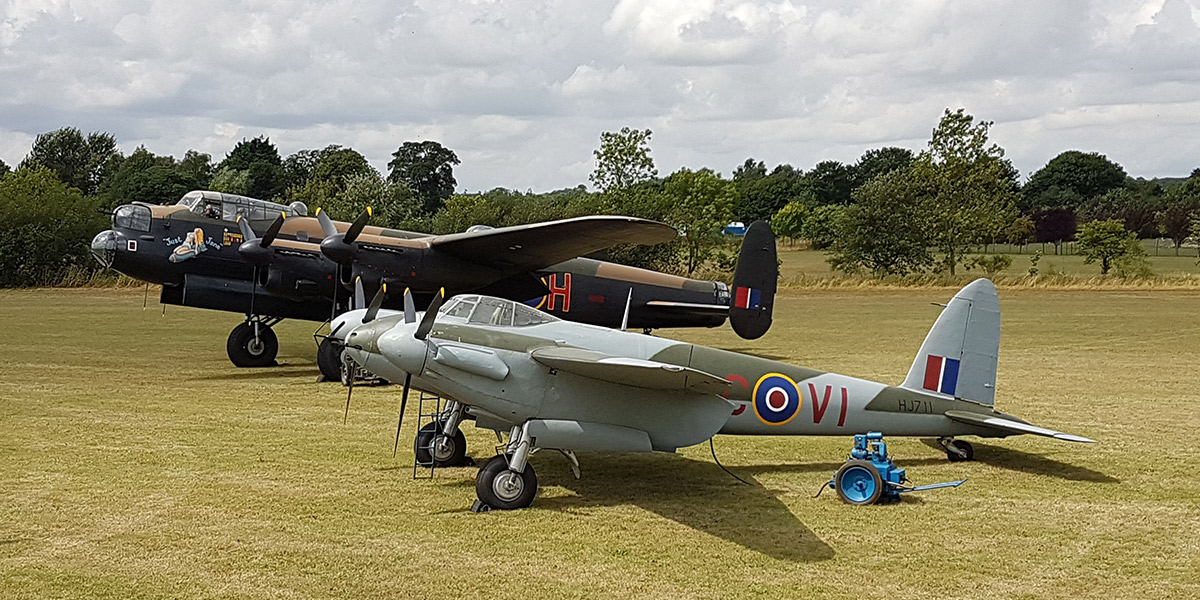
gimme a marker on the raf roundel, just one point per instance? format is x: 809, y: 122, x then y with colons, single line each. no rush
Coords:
x: 777, y: 399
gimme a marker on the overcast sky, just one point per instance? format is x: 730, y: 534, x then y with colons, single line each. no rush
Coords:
x: 522, y: 89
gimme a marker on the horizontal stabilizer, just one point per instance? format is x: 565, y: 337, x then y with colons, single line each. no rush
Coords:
x: 688, y: 308
x: 1011, y: 426
x: 634, y: 372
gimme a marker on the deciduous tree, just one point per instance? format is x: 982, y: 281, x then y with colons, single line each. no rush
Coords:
x: 623, y: 160
x: 259, y: 160
x: 1106, y: 242
x: 882, y: 232
x: 82, y: 162
x: 966, y: 185
x: 427, y: 168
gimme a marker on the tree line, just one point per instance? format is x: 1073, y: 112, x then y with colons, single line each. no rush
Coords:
x: 894, y: 211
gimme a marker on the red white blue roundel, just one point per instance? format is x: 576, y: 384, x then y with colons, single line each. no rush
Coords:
x: 777, y: 399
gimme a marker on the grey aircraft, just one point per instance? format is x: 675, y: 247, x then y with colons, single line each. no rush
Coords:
x: 571, y: 387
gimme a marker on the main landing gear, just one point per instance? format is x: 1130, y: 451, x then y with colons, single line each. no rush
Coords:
x: 329, y: 359
x: 441, y: 443
x: 508, y: 481
x: 253, y: 344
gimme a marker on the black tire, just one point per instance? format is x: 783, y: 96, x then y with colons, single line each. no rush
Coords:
x: 245, y: 351
x: 858, y: 482
x: 504, y: 489
x: 329, y: 359
x: 966, y: 449
x: 451, y: 456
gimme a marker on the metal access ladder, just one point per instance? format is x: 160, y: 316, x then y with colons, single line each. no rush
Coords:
x: 429, y: 408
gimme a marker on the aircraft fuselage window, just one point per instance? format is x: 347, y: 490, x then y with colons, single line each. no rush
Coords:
x: 492, y: 311
x: 461, y: 309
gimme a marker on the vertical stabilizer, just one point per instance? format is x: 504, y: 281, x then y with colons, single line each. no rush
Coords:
x: 754, y: 282
x: 958, y: 357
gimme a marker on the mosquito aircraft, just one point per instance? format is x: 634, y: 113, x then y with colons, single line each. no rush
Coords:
x: 207, y: 252
x: 572, y: 387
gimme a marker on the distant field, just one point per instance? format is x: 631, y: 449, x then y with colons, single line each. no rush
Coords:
x: 1163, y: 261
x: 136, y: 462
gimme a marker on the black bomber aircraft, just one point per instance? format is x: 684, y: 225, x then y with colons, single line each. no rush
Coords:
x: 272, y: 262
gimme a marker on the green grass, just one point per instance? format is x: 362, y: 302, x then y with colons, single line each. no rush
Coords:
x: 807, y: 265
x: 136, y: 462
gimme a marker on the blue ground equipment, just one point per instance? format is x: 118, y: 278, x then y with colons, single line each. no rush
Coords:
x: 870, y: 476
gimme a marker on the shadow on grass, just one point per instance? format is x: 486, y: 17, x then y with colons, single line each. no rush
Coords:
x: 693, y: 493
x: 272, y: 372
x: 1016, y: 460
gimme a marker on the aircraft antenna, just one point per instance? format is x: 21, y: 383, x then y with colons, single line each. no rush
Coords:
x: 713, y: 448
x: 625, y: 318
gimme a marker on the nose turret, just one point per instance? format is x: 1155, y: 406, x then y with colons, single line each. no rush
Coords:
x: 104, y: 246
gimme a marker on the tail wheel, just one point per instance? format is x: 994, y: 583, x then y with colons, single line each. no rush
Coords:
x: 246, y: 350
x: 965, y: 451
x: 858, y: 482
x: 501, y: 488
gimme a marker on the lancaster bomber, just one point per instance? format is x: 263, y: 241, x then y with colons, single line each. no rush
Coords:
x: 272, y: 262
x: 554, y: 385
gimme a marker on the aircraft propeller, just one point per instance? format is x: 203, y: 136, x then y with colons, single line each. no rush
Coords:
x: 372, y: 312
x: 422, y: 332
x: 339, y: 247
x: 256, y: 250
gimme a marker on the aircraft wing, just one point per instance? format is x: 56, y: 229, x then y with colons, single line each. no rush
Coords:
x: 537, y: 245
x: 634, y: 372
x: 1011, y: 426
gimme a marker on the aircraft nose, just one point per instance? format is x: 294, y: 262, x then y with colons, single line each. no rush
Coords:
x: 364, y: 338
x: 104, y: 247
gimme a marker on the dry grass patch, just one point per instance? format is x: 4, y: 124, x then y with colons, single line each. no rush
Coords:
x: 137, y: 462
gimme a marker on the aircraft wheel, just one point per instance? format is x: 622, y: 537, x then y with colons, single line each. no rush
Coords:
x: 245, y: 351
x: 447, y: 452
x: 504, y: 489
x: 329, y: 359
x: 965, y: 447
x: 858, y: 482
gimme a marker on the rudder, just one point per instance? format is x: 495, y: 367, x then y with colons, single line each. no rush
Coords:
x: 754, y: 282
x: 958, y: 357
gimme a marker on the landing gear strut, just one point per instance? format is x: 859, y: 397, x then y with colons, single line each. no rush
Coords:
x: 508, y: 482
x: 253, y: 343
x: 442, y: 443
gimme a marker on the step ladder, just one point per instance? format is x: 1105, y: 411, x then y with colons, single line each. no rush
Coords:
x: 429, y: 408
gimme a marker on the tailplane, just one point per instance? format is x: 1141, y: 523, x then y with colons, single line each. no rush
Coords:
x: 754, y: 282
x: 958, y: 357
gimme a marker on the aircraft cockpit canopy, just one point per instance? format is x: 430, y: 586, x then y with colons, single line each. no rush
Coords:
x: 227, y: 207
x: 486, y: 310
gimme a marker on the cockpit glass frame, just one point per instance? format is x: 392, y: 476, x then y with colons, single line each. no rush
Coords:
x: 132, y: 216
x: 496, y: 312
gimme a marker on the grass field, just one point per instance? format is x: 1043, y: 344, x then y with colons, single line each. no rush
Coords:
x: 808, y: 264
x: 136, y: 462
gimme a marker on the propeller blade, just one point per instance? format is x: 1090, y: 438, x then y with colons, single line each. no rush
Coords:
x: 349, y: 391
x: 357, y: 226
x: 403, y: 403
x: 360, y: 297
x: 430, y: 314
x: 410, y: 307
x: 327, y: 225
x: 247, y: 232
x: 376, y: 302
x: 272, y: 231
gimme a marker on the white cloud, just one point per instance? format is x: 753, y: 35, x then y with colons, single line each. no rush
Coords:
x: 522, y: 89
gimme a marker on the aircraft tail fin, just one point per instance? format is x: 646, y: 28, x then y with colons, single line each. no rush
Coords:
x: 754, y: 282
x: 958, y: 357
